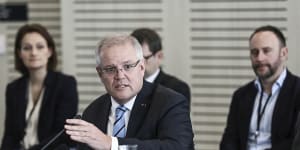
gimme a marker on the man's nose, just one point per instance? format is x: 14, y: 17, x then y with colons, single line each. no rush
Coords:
x: 119, y: 72
x: 260, y: 56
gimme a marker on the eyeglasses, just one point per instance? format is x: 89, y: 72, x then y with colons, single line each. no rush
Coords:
x: 111, y: 70
x: 147, y: 57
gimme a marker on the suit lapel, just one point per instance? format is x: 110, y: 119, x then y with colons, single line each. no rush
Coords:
x: 102, y: 120
x: 246, y: 109
x: 139, y: 110
x: 160, y: 77
x: 249, y: 103
x: 283, y: 102
x: 98, y: 112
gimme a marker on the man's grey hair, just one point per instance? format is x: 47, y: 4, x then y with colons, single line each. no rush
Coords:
x: 117, y: 40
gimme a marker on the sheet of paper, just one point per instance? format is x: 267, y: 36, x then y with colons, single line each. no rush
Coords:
x: 2, y: 44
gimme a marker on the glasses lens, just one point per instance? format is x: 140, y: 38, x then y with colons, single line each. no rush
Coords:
x: 113, y: 69
x: 128, y: 67
x: 109, y: 70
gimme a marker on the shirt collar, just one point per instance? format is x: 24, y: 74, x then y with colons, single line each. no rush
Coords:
x: 152, y: 77
x: 128, y: 105
x: 278, y: 82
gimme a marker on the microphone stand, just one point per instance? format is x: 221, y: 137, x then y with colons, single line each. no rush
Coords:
x: 58, y: 134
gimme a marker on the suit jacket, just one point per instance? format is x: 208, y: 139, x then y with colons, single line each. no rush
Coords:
x: 159, y: 119
x: 60, y: 102
x: 296, y: 142
x: 174, y: 84
x: 283, y: 121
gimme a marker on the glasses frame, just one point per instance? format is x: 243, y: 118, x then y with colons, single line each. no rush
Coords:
x: 149, y: 56
x: 113, y: 69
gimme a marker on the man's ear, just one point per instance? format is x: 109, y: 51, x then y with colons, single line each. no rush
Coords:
x: 142, y: 64
x: 160, y: 54
x: 284, y: 53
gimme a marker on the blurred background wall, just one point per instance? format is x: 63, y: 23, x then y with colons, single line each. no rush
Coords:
x: 205, y: 43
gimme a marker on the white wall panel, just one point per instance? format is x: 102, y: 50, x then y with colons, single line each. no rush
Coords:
x: 93, y: 20
x: 219, y: 32
x: 206, y: 39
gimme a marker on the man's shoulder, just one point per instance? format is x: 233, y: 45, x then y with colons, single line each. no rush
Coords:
x: 163, y: 101
x: 163, y: 94
x: 292, y: 78
x: 290, y: 81
x: 245, y: 87
x: 101, y: 100
x: 167, y: 79
x: 98, y: 104
x: 174, y: 83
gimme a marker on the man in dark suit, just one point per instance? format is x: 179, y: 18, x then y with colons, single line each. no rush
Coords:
x: 133, y: 111
x: 263, y: 113
x: 152, y: 50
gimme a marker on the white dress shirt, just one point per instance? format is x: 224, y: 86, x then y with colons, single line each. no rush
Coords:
x: 112, y: 117
x: 152, y: 77
x: 263, y: 140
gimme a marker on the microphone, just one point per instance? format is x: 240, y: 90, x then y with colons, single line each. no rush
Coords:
x: 58, y: 134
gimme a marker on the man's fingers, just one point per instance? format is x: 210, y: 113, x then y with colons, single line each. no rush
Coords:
x: 77, y: 133
x: 77, y: 122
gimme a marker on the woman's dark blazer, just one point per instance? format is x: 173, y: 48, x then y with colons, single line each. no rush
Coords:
x: 60, y: 101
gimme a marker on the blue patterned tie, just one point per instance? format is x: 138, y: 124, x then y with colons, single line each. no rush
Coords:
x: 119, y: 125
